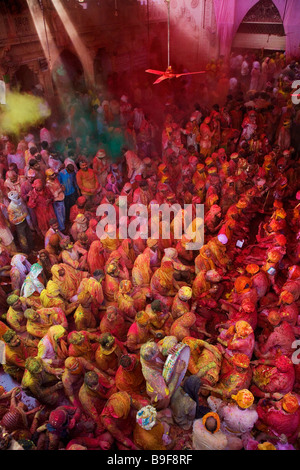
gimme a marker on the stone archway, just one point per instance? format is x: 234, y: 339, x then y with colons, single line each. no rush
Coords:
x: 67, y: 72
x: 261, y: 29
x: 102, y: 65
x: 24, y: 79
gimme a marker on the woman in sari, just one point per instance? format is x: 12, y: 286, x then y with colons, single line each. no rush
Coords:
x: 204, y: 262
x: 41, y: 199
x: 96, y: 257
x: 67, y: 279
x: 32, y: 286
x: 163, y: 284
x: 118, y: 418
x: 46, y: 260
x: 150, y: 433
x: 113, y: 322
x: 152, y: 362
x: 125, y: 300
x: 181, y: 304
x: 38, y: 323
x: 20, y: 268
x: 52, y: 347
x: 183, y: 326
x: 108, y: 353
x: 139, y: 333
x: 129, y: 378
x: 127, y: 253
x: 82, y: 344
x: 111, y: 281
x: 141, y: 271
x: 89, y: 297
x: 91, y: 231
x: 53, y: 248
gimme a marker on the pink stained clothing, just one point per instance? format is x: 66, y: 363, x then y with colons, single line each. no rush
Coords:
x: 56, y: 189
x: 18, y: 159
x: 101, y: 169
x: 134, y: 164
x: 273, y: 378
x: 281, y: 339
x: 95, y: 258
x: 45, y: 135
x: 277, y: 421
x: 237, y: 420
x: 45, y: 350
x: 41, y: 202
x: 71, y: 258
x: 242, y: 345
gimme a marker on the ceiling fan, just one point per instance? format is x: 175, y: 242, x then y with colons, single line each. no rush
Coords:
x: 169, y: 72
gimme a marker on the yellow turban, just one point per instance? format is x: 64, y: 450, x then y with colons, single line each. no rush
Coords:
x: 185, y: 293
x: 290, y: 403
x: 266, y: 446
x: 244, y: 398
x: 243, y: 328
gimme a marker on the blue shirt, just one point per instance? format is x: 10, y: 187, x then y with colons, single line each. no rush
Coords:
x: 68, y: 180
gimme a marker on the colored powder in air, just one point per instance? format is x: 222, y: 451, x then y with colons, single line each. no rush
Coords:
x: 22, y: 111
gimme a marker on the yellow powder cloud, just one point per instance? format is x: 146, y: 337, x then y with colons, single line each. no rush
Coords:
x: 22, y: 111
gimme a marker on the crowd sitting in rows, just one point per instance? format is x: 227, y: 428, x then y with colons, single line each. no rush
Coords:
x: 145, y: 343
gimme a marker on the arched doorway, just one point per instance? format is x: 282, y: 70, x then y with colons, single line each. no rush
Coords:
x: 261, y: 29
x: 102, y: 65
x: 24, y: 79
x: 68, y: 72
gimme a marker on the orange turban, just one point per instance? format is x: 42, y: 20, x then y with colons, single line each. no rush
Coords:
x: 290, y: 403
x: 241, y: 360
x: 274, y: 317
x: 200, y: 167
x: 209, y: 161
x: 243, y: 328
x: 142, y: 318
x: 118, y: 405
x: 151, y: 242
x: 73, y: 365
x: 49, y: 172
x: 286, y: 297
x: 252, y: 268
x: 244, y: 398
x: 242, y: 284
x: 274, y: 256
x: 212, y: 415
x: 241, y: 204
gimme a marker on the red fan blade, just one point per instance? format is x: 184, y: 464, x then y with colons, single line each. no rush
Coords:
x: 188, y: 73
x: 160, y: 79
x: 156, y: 72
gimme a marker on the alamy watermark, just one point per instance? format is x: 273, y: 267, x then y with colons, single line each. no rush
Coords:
x: 296, y: 94
x: 154, y: 221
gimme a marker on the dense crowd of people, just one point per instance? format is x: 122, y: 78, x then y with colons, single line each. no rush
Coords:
x: 145, y: 344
